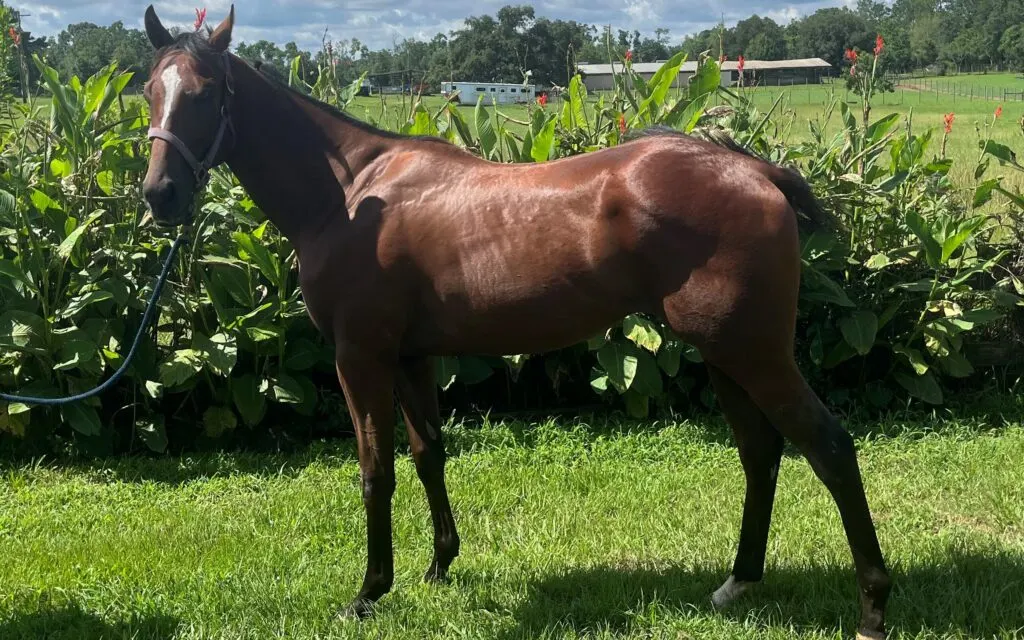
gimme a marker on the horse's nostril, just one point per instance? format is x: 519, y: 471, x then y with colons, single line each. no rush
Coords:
x: 160, y: 193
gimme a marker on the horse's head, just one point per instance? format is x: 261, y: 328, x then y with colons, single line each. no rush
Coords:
x: 189, y: 93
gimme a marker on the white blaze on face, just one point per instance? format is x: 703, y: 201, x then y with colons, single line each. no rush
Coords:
x: 172, y: 89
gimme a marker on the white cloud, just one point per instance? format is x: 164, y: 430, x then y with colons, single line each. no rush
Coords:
x: 378, y: 23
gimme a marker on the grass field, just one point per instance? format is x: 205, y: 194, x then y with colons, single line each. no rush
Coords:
x: 571, y: 530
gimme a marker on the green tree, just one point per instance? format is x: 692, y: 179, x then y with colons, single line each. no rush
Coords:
x: 826, y: 33
x: 1011, y: 46
x: 84, y: 48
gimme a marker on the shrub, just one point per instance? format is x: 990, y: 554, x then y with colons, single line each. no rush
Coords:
x: 887, y: 306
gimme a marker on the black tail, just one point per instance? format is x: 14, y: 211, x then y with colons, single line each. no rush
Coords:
x: 811, y: 216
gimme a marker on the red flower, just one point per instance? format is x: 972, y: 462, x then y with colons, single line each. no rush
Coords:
x: 879, y: 44
x: 15, y: 36
x: 200, y: 18
x: 629, y: 55
x: 999, y: 111
x: 948, y: 118
x: 542, y: 100
x: 739, y: 63
x: 851, y: 55
x: 622, y: 124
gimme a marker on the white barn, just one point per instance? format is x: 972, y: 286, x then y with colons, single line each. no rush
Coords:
x: 598, y: 77
x: 499, y: 92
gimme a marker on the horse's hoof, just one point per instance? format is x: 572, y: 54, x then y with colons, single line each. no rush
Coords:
x: 436, y: 575
x: 725, y: 594
x: 870, y: 635
x: 359, y: 609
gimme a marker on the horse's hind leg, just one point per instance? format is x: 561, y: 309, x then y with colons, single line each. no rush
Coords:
x: 760, y: 449
x: 417, y: 393
x: 777, y: 387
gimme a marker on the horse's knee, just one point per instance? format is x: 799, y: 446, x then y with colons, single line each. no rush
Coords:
x: 377, y: 487
x: 430, y: 462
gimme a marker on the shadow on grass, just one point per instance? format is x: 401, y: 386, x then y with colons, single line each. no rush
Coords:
x: 72, y: 623
x: 477, y: 432
x: 969, y: 595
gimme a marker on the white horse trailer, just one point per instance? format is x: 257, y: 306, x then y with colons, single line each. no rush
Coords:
x: 499, y: 92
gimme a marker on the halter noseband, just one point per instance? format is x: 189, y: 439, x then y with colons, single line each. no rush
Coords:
x: 202, y: 169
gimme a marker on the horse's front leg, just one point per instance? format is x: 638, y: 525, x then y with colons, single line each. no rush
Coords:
x: 367, y: 380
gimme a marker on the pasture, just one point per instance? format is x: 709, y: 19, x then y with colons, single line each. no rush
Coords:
x: 575, y: 528
x: 587, y: 526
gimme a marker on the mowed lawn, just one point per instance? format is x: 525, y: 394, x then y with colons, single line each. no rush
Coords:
x: 575, y: 529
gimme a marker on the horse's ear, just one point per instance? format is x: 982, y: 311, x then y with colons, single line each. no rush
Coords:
x: 159, y: 36
x: 220, y: 39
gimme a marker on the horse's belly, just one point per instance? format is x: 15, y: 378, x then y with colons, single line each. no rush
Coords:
x: 506, y: 320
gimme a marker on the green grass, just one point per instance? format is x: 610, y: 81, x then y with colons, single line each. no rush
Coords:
x: 568, y: 531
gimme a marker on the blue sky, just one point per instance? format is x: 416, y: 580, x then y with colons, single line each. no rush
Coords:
x: 380, y: 23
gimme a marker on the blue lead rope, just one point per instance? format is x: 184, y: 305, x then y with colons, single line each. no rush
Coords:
x: 146, y: 318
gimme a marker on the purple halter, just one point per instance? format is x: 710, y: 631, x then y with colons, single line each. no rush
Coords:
x: 202, y: 169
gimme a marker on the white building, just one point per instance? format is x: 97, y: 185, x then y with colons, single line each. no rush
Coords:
x: 499, y: 92
x: 599, y: 77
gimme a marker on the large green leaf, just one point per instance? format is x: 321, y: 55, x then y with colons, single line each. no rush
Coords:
x: 669, y: 357
x: 647, y: 380
x: 152, y: 431
x: 983, y: 192
x: 71, y: 241
x: 642, y: 332
x: 619, y: 361
x: 859, y: 329
x: 575, y: 114
x: 447, y: 369
x: 473, y: 370
x: 923, y: 387
x: 966, y: 229
x: 1004, y: 153
x: 879, y: 128
x: 706, y: 80
x: 287, y: 390
x: 182, y: 366
x: 21, y: 329
x: 485, y: 129
x: 544, y: 142
x: 250, y: 402
x: 12, y: 270
x: 660, y: 84
x: 77, y: 304
x: 82, y: 418
x: 461, y: 126
x: 914, y: 357
x: 302, y: 354
x: 219, y: 352
x: 74, y: 354
x: 932, y: 248
x: 252, y: 250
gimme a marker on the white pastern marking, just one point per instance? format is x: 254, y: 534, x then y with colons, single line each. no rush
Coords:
x: 172, y: 88
x: 728, y: 592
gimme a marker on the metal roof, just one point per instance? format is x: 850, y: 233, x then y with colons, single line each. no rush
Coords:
x: 690, y: 66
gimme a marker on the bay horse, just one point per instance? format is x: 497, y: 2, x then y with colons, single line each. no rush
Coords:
x: 411, y: 248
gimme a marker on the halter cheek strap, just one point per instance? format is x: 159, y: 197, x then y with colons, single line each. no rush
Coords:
x: 201, y: 169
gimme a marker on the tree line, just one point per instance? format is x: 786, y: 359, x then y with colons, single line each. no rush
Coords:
x: 516, y: 45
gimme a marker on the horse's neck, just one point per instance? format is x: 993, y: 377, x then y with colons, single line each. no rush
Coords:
x: 295, y: 160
